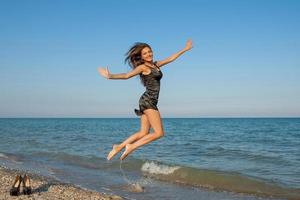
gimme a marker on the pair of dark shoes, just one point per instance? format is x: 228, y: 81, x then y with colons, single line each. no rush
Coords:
x: 15, y: 189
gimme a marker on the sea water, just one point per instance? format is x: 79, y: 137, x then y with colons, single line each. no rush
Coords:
x: 204, y: 158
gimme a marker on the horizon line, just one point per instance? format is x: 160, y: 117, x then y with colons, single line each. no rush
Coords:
x: 122, y: 117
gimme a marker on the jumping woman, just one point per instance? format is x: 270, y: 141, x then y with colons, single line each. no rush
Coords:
x: 140, y: 59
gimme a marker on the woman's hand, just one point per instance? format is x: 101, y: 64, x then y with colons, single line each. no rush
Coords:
x: 188, y: 45
x: 104, y: 72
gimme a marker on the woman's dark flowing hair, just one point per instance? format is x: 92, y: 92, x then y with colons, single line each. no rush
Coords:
x: 134, y: 56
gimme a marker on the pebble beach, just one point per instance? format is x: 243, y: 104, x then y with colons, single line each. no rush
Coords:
x: 44, y: 188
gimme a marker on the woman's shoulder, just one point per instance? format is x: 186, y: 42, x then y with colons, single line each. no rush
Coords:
x: 144, y: 69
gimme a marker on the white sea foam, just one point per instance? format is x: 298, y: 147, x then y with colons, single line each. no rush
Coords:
x: 155, y: 168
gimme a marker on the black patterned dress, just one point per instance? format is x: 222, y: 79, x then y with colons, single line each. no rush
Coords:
x: 149, y: 99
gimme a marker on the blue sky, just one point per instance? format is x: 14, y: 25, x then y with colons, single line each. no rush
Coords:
x: 245, y: 61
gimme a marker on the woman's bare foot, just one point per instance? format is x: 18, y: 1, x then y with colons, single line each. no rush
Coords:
x: 128, y: 150
x: 116, y: 148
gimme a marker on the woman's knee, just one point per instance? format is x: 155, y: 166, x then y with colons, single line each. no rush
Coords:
x: 159, y: 134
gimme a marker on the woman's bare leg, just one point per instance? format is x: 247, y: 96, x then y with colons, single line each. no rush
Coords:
x: 155, y: 122
x: 145, y: 126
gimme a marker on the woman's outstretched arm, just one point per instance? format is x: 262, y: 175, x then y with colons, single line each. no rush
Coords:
x: 105, y: 73
x: 187, y: 47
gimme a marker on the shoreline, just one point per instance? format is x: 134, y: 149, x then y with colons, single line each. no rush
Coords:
x: 47, y: 188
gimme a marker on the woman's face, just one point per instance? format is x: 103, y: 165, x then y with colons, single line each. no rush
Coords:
x: 146, y: 54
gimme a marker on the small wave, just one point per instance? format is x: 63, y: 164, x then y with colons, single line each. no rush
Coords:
x: 3, y: 156
x: 90, y: 162
x: 11, y: 157
x: 156, y: 168
x: 216, y: 180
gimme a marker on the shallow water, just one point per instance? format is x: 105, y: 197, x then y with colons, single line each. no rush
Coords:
x: 196, y: 156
